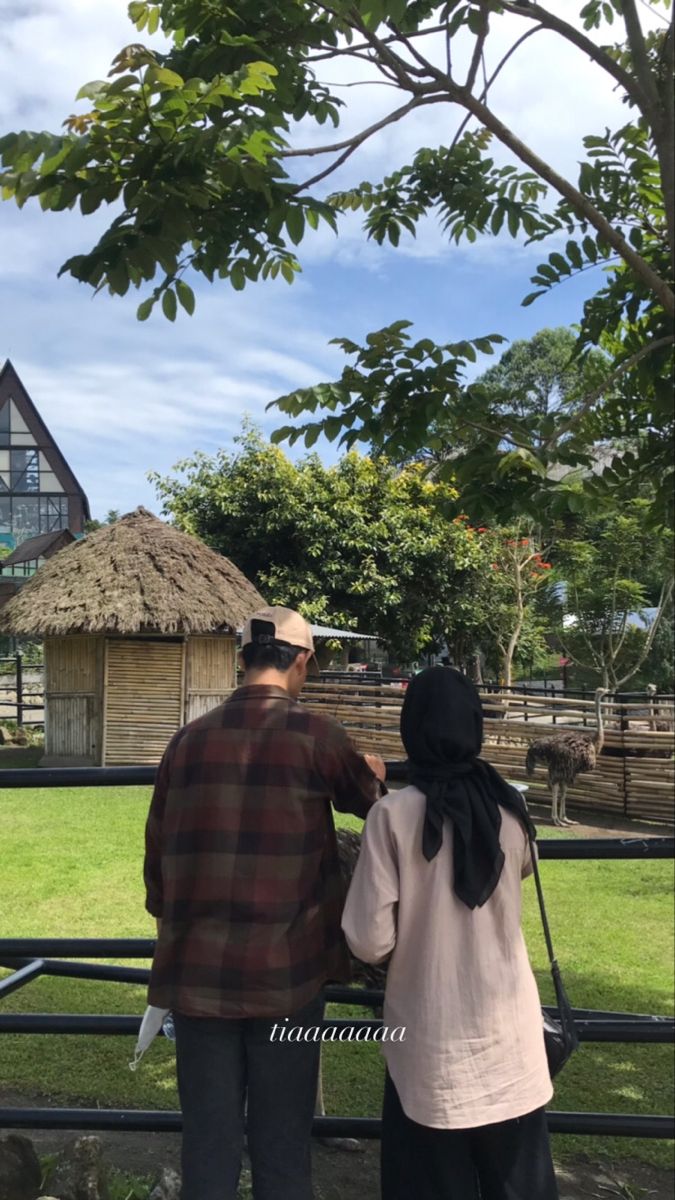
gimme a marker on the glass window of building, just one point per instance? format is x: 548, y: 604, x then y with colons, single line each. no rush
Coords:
x: 24, y: 471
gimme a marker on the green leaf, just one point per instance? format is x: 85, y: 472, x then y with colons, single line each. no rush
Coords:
x: 163, y: 75
x: 530, y: 299
x: 91, y: 91
x: 169, y: 305
x: 560, y: 263
x: 186, y: 296
x: 295, y: 224
x: 238, y: 276
x: 396, y: 10
x: 590, y: 249
x: 90, y: 200
x: 143, y: 311
x: 121, y: 85
x: 372, y: 14
x: 497, y: 219
x: 574, y: 254
x: 153, y: 20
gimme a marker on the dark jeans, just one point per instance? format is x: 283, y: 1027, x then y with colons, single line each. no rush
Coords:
x: 230, y: 1071
x: 507, y: 1161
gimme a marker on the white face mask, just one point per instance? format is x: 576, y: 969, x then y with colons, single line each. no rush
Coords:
x: 152, y: 1022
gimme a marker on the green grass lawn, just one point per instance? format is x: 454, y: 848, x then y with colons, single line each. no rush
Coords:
x: 71, y: 866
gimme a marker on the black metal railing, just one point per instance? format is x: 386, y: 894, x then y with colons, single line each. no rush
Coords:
x: 30, y: 958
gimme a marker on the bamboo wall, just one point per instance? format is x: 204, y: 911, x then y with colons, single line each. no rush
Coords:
x: 73, y: 700
x: 143, y: 699
x: 635, y: 776
x: 210, y: 673
x: 119, y: 701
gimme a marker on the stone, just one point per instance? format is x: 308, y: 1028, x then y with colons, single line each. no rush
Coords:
x: 167, y: 1186
x: 6, y: 736
x: 20, y: 1171
x: 79, y: 1172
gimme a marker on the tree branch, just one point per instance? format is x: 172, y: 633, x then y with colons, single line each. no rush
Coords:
x: 579, y: 202
x: 664, y: 600
x: 398, y: 65
x: 478, y: 48
x: 638, y: 52
x: 611, y: 379
x: 490, y: 81
x: 579, y: 39
x: 501, y: 434
x: 353, y: 142
x: 388, y: 41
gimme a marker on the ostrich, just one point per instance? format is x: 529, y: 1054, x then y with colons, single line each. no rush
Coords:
x: 367, y: 974
x: 567, y: 755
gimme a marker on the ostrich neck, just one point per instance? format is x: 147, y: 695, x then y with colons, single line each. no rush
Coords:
x: 599, y: 738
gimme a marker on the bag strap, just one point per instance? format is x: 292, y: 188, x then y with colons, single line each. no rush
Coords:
x: 542, y: 907
x: 564, y: 1008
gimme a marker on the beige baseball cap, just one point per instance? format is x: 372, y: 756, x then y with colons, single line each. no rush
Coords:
x: 283, y: 625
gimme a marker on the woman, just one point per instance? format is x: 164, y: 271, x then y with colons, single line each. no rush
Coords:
x: 437, y: 886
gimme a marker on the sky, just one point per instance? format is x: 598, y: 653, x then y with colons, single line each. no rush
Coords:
x: 123, y: 398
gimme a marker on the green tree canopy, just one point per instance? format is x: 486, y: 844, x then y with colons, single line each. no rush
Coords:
x: 359, y: 545
x: 193, y: 148
x: 613, y: 568
x: 542, y: 374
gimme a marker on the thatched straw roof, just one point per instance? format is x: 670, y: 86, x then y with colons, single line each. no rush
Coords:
x: 137, y: 576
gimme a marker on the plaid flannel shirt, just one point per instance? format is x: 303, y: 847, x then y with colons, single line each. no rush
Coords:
x: 241, y: 859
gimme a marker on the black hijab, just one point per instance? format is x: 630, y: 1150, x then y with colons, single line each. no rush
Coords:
x: 442, y: 732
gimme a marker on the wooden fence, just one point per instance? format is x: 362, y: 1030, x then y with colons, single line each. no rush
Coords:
x: 635, y: 776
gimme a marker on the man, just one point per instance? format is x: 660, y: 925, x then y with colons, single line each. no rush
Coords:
x: 242, y: 874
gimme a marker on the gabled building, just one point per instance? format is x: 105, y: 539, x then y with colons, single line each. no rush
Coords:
x: 38, y: 492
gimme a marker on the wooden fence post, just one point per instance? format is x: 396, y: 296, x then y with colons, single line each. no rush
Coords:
x: 624, y: 725
x: 19, y: 689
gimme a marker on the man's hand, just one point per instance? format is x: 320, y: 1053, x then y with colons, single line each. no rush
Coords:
x: 377, y: 766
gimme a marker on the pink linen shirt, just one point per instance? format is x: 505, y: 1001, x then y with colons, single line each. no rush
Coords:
x: 459, y: 981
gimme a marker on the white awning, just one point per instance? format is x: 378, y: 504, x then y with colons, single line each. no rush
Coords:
x: 326, y: 631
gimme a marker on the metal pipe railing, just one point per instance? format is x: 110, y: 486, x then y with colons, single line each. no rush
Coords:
x: 31, y: 957
x: 363, y: 1128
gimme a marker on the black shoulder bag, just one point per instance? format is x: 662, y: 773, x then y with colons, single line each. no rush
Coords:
x: 560, y: 1035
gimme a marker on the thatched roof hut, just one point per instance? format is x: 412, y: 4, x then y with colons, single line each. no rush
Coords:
x: 139, y: 623
x: 137, y: 576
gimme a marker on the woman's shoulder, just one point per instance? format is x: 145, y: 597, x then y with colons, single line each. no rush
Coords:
x: 513, y: 830
x: 401, y: 805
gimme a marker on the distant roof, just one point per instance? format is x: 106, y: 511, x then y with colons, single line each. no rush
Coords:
x: 326, y: 631
x: 37, y: 547
x: 602, y: 456
x: 640, y: 620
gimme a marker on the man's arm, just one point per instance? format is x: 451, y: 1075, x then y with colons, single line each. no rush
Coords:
x: 355, y: 780
x: 152, y: 865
